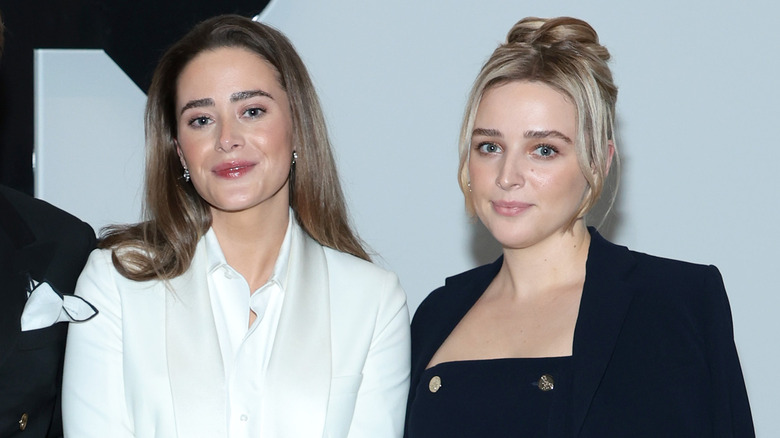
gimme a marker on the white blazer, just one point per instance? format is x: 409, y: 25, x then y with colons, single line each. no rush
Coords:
x: 149, y: 364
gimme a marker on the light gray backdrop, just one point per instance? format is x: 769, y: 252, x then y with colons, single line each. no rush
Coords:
x: 698, y: 114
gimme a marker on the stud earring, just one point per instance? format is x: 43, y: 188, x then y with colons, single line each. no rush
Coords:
x: 295, y: 157
x: 469, y: 184
x: 186, y: 175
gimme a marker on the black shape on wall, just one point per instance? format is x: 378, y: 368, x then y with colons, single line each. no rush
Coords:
x: 133, y: 33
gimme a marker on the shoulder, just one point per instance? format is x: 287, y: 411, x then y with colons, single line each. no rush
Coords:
x: 360, y: 281
x: 456, y: 296
x: 343, y: 266
x: 363, y: 294
x: 605, y: 255
x: 670, y: 286
x: 100, y: 272
x: 44, y: 217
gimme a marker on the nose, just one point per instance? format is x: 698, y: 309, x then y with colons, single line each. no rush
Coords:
x: 511, y: 173
x: 229, y: 136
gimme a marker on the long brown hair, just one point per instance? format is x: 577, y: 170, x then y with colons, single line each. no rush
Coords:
x: 175, y: 216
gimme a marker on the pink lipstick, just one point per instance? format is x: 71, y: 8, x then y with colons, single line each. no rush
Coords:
x: 233, y: 169
x: 510, y: 208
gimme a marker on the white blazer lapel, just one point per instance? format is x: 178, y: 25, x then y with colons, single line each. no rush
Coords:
x: 194, y: 358
x: 299, y: 370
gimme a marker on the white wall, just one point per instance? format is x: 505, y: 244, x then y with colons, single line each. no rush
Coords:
x: 89, y: 136
x: 698, y: 111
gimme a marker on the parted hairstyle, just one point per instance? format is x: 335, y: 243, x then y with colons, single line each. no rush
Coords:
x: 175, y: 216
x: 563, y: 53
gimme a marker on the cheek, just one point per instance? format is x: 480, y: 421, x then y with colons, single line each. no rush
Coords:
x: 541, y: 179
x: 480, y: 171
x: 576, y: 188
x: 276, y: 143
x: 188, y: 154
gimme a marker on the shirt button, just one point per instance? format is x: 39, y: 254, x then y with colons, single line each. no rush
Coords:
x: 434, y: 384
x: 546, y: 383
x: 23, y: 422
x: 243, y: 417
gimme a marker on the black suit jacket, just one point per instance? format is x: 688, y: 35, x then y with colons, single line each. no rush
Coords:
x: 653, y: 352
x: 39, y: 241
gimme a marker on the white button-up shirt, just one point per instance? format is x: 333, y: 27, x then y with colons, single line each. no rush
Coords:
x: 245, y: 352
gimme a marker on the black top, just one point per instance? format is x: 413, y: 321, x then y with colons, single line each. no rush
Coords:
x: 490, y: 398
x: 653, y: 352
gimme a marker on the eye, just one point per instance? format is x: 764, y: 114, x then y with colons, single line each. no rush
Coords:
x: 199, y: 121
x: 254, y: 112
x: 545, y: 151
x: 488, y: 148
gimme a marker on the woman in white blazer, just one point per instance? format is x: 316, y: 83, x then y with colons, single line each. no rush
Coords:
x: 243, y: 305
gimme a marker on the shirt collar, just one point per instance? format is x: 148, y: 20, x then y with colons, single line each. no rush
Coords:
x: 216, y: 259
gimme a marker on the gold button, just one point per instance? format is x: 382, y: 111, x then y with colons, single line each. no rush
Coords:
x: 23, y: 422
x: 546, y: 382
x: 434, y: 384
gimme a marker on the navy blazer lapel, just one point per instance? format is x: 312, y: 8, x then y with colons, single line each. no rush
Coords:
x: 463, y: 293
x: 606, y: 296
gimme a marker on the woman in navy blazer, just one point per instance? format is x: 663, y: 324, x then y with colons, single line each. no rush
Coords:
x: 566, y: 334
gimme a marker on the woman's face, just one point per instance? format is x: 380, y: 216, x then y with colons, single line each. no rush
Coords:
x: 526, y: 183
x: 234, y: 130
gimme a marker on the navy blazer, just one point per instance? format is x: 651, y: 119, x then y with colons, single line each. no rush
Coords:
x: 653, y: 352
x: 44, y: 243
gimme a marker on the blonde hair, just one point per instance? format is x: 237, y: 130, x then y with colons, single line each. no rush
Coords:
x: 563, y: 53
x: 175, y: 216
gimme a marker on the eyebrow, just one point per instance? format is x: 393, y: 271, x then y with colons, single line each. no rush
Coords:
x: 547, y: 134
x: 489, y: 132
x: 235, y: 97
x: 241, y: 95
x: 197, y: 103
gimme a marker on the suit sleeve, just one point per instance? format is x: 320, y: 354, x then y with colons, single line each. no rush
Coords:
x: 731, y: 409
x: 93, y: 395
x: 381, y: 400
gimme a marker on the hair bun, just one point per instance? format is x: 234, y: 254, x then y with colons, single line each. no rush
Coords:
x: 557, y: 32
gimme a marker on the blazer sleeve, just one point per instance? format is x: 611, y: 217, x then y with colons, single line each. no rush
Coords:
x: 93, y: 395
x: 731, y: 409
x: 381, y: 399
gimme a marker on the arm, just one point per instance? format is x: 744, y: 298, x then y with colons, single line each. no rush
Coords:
x: 730, y: 406
x: 381, y: 399
x: 93, y: 395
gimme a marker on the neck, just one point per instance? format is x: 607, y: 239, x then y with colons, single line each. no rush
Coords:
x: 250, y: 240
x: 554, y: 263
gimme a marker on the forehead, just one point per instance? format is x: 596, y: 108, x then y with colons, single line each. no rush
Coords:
x: 225, y: 70
x: 526, y: 105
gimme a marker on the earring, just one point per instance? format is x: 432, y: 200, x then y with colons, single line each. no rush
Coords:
x: 295, y: 157
x: 469, y: 184
x: 186, y: 175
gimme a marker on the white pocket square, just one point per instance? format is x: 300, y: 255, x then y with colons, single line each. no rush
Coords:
x: 45, y: 307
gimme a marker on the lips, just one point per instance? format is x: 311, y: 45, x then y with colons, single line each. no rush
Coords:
x: 510, y: 208
x: 233, y: 169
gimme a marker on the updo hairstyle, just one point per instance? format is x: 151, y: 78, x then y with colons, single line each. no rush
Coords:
x: 563, y: 53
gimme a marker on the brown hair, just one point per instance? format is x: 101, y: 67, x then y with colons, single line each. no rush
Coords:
x: 175, y: 216
x: 563, y: 53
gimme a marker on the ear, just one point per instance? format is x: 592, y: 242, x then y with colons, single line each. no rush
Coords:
x: 179, y: 153
x: 610, y: 154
